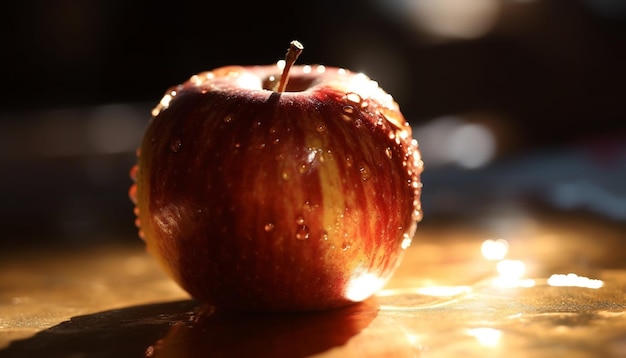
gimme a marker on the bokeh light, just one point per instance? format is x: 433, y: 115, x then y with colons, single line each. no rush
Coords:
x: 452, y: 140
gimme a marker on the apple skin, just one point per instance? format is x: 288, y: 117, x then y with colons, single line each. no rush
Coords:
x: 258, y: 200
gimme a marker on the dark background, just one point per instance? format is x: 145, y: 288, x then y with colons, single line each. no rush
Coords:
x: 79, y: 79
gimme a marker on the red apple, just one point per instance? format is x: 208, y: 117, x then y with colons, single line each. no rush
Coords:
x: 269, y: 191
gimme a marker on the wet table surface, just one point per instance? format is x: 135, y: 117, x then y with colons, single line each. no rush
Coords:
x: 527, y: 285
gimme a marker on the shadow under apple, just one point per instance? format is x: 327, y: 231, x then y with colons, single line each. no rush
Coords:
x: 264, y: 334
x: 186, y: 329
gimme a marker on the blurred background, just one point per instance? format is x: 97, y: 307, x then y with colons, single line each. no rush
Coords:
x: 512, y: 101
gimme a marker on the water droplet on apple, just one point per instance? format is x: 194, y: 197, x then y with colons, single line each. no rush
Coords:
x: 324, y: 235
x: 163, y: 104
x: 417, y: 215
x: 349, y: 161
x: 269, y: 227
x: 392, y: 118
x: 133, y: 172
x: 388, y: 152
x: 303, y: 167
x: 300, y: 220
x: 417, y: 208
x: 328, y: 155
x: 302, y: 233
x: 196, y: 80
x: 320, y: 128
x: 345, y: 246
x: 228, y: 119
x: 348, y: 109
x: 137, y: 223
x: 406, y: 241
x: 365, y: 173
x: 136, y: 210
x: 285, y: 175
x: 307, y: 206
x: 175, y: 145
x: 132, y: 193
x: 348, y: 113
x: 353, y: 98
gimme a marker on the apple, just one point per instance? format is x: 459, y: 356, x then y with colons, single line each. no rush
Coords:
x: 278, y: 187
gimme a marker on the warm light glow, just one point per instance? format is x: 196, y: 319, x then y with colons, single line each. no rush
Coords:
x: 413, y: 339
x: 489, y: 337
x: 573, y: 280
x: 363, y: 286
x: 511, y: 268
x: 494, y: 249
x: 504, y: 282
x: 196, y: 80
x: 249, y: 81
x: 367, y: 88
x: 281, y: 64
x: 432, y: 291
x: 443, y: 291
x: 510, y: 275
x: 163, y: 104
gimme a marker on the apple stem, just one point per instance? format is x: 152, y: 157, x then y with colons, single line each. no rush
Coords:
x: 295, y: 49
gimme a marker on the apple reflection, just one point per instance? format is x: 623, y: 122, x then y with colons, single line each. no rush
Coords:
x: 219, y: 334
